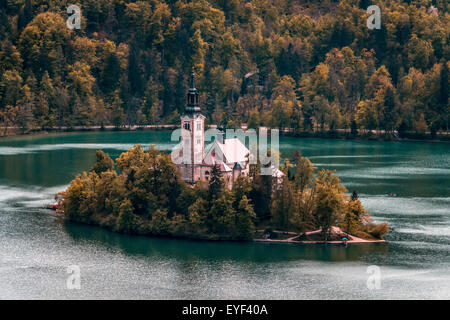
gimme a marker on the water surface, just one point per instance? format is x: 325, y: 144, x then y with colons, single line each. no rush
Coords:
x: 36, y: 246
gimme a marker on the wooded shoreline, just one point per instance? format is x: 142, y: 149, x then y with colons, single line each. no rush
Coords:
x: 339, y: 134
x: 142, y: 193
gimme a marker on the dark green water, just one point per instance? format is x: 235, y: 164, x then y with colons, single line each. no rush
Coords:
x: 36, y: 246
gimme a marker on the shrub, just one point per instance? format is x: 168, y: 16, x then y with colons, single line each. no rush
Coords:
x: 379, y: 230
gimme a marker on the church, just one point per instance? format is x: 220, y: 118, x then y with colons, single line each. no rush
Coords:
x: 229, y: 155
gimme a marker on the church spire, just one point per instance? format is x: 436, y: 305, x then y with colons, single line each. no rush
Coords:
x: 192, y: 79
x: 192, y: 97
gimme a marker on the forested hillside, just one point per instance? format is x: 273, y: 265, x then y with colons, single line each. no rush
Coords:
x: 305, y: 65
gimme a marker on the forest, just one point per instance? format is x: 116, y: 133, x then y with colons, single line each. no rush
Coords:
x: 296, y: 65
x: 142, y: 193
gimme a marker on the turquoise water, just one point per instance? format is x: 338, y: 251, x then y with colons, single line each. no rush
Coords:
x: 36, y: 246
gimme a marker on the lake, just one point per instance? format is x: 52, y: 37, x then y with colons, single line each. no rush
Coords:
x: 37, y: 246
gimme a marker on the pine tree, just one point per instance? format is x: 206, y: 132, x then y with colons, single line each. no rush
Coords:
x: 305, y: 173
x: 283, y: 204
x: 103, y: 163
x: 117, y: 114
x: 125, y: 220
x: 245, y: 217
x: 215, y: 183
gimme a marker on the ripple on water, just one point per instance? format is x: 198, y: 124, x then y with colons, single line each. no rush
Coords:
x: 30, y: 196
x: 403, y: 206
x: 4, y: 150
x: 433, y: 230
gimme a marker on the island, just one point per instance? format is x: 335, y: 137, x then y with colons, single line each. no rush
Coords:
x: 142, y: 193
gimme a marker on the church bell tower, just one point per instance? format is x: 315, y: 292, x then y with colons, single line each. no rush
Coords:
x: 193, y: 122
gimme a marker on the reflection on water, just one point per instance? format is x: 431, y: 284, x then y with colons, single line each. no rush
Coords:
x: 36, y: 245
x: 221, y: 251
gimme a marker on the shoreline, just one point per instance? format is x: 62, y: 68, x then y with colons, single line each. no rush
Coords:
x: 286, y: 241
x: 63, y: 131
x: 188, y: 237
x: 335, y: 230
x: 336, y: 242
x: 147, y: 128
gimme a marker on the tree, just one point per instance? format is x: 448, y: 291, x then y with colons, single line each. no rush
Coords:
x: 215, y: 183
x: 221, y: 218
x: 329, y: 199
x: 245, y: 227
x: 110, y: 75
x: 254, y: 120
x: 24, y: 116
x: 198, y: 215
x: 305, y: 173
x: 134, y: 73
x: 10, y: 87
x: 420, y: 52
x: 103, y: 163
x: 283, y: 205
x: 81, y: 79
x: 379, y: 230
x: 84, y: 51
x: 353, y: 215
x: 366, y: 116
x: 126, y: 220
x: 261, y: 192
x: 160, y: 222
x: 117, y: 114
x: 10, y: 58
x: 42, y: 42
x: 444, y: 94
x: 420, y: 126
x: 80, y: 198
x: 198, y: 50
x: 390, y: 109
x: 8, y: 118
x: 284, y: 100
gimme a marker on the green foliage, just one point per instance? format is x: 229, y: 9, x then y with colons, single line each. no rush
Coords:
x: 215, y: 183
x: 353, y: 216
x: 245, y: 220
x: 329, y: 201
x: 103, y: 163
x: 304, y: 174
x: 304, y: 66
x: 379, y: 230
x: 126, y: 220
x: 146, y: 196
x: 283, y: 204
x: 261, y: 192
